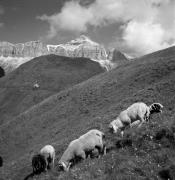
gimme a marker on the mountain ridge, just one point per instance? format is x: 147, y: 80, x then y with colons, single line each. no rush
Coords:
x: 13, y: 55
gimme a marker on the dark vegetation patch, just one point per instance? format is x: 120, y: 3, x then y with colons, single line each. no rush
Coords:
x: 168, y: 172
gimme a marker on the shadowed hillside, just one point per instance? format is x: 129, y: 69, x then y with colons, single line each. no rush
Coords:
x: 147, y: 153
x: 52, y: 73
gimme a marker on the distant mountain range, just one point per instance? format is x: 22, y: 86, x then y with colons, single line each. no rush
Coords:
x: 13, y: 55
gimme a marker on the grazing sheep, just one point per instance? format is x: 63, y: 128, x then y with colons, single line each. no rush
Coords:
x: 36, y: 86
x: 48, y: 152
x: 38, y: 163
x: 80, y: 148
x: 136, y: 114
x: 1, y: 161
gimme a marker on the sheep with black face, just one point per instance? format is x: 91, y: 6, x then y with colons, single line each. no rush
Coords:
x: 48, y: 152
x: 38, y: 164
x: 42, y: 161
x: 134, y: 115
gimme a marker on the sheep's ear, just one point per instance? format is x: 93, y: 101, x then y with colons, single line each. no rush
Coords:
x: 157, y: 104
x: 161, y: 106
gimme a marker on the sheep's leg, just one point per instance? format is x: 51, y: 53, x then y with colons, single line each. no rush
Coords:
x: 135, y: 123
x: 104, y: 149
x: 140, y: 124
x: 46, y: 164
x: 34, y: 170
x: 87, y: 154
x: 81, y: 155
x: 68, y: 167
x: 100, y: 148
x: 53, y: 162
x: 122, y: 133
x: 53, y: 159
x: 142, y: 121
x: 94, y: 153
x: 147, y: 117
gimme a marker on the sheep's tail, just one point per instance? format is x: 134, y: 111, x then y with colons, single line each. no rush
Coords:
x: 147, y: 115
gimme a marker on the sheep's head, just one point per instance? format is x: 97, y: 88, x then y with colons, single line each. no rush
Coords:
x: 38, y: 163
x: 63, y: 166
x: 156, y: 108
x: 113, y: 128
x: 116, y: 125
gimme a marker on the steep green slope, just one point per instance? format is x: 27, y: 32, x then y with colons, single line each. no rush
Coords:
x: 52, y: 73
x: 93, y: 104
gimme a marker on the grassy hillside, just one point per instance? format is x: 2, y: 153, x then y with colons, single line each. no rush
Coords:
x: 53, y: 74
x: 141, y: 154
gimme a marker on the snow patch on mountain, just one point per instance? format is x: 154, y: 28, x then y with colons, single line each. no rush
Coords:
x: 13, y: 55
x: 11, y: 63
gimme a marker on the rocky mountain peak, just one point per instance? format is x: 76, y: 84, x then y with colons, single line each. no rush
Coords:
x: 82, y: 46
x: 116, y: 56
x: 82, y: 40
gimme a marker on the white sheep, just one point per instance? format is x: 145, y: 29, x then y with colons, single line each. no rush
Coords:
x: 36, y: 86
x: 136, y: 114
x: 48, y: 152
x: 79, y: 148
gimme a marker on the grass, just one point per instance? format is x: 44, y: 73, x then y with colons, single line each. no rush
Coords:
x: 52, y: 73
x: 144, y: 153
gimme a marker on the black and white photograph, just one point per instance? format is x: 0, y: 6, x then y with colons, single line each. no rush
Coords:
x: 87, y: 89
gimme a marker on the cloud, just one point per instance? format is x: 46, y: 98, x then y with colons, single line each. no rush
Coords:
x: 76, y: 18
x: 144, y: 37
x: 73, y: 17
x: 153, y: 33
x: 149, y: 25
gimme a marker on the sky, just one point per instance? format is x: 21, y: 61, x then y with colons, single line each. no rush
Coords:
x: 135, y: 27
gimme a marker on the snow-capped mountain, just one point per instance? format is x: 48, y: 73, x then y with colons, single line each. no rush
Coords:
x: 13, y: 55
